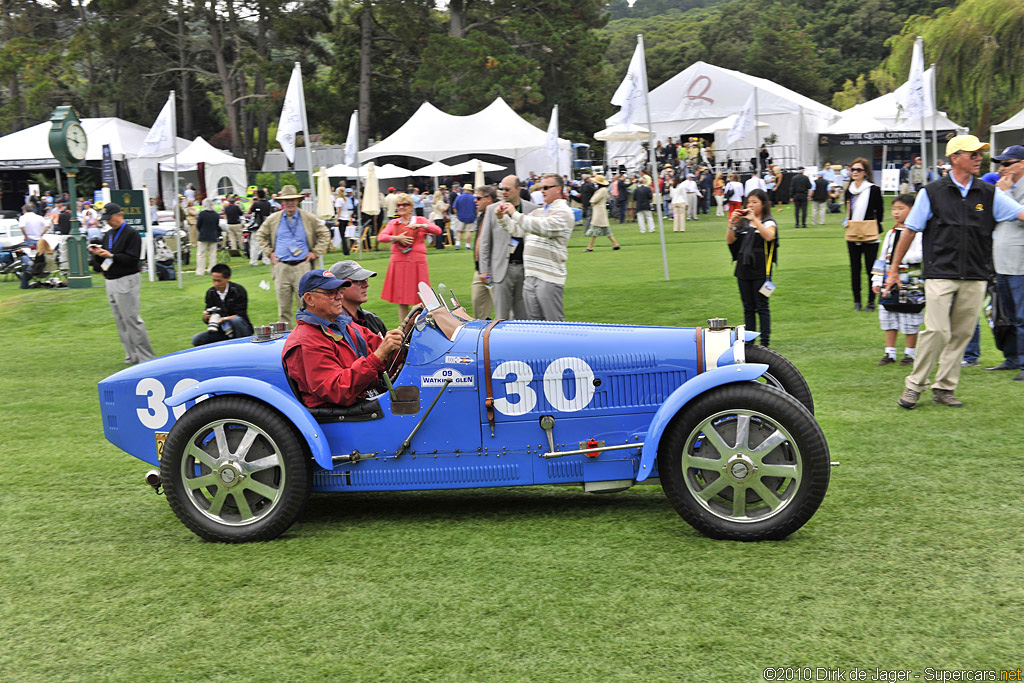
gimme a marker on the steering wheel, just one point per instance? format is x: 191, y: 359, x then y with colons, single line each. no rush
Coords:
x: 396, y: 359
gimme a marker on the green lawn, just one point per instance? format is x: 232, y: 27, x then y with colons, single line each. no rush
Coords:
x: 913, y: 560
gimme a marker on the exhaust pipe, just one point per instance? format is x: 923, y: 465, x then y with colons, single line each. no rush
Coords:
x: 153, y: 479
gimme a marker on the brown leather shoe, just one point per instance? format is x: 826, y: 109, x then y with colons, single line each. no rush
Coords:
x: 945, y: 397
x: 908, y: 399
x: 907, y: 360
x: 886, y: 360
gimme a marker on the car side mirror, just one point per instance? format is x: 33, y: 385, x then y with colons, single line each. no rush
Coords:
x: 406, y: 401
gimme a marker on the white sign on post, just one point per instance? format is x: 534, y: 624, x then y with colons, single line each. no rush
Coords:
x: 891, y: 180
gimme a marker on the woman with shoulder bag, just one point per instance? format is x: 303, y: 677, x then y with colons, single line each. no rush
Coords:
x: 864, y: 210
x: 752, y: 238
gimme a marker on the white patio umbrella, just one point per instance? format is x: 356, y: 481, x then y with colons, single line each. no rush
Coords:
x: 478, y: 177
x: 386, y: 172
x: 342, y: 171
x: 725, y: 125
x: 622, y: 132
x: 470, y: 166
x: 324, y: 196
x: 371, y: 192
x: 436, y: 169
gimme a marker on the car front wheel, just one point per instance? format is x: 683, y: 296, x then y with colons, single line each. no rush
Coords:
x: 744, y: 462
x: 234, y: 470
x: 781, y: 374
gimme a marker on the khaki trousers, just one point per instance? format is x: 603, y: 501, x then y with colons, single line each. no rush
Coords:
x: 483, y: 302
x: 206, y: 257
x: 234, y: 236
x: 286, y: 284
x: 679, y: 218
x: 949, y: 318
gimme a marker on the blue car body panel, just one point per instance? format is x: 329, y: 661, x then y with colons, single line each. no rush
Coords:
x: 617, y: 384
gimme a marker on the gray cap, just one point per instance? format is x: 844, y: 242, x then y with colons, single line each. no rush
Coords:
x: 350, y: 270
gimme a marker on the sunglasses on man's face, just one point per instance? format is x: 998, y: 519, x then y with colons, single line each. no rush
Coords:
x: 1010, y: 162
x: 972, y: 155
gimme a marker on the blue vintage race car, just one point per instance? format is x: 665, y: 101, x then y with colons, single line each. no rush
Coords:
x: 725, y: 426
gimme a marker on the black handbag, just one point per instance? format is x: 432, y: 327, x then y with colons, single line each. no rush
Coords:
x: 902, y: 300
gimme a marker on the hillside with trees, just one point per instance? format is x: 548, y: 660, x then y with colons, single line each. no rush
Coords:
x: 229, y: 60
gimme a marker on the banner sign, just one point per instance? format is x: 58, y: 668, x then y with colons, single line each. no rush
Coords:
x: 28, y: 164
x: 109, y: 177
x: 889, y: 137
x: 133, y: 204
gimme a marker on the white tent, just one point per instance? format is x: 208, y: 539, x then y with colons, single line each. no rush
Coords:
x: 1009, y: 132
x: 30, y: 148
x: 703, y: 93
x: 433, y: 135
x: 218, y: 166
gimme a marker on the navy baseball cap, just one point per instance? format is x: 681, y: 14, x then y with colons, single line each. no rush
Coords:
x: 320, y: 279
x: 1011, y: 152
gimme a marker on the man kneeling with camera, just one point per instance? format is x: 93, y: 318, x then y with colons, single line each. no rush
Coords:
x: 226, y: 313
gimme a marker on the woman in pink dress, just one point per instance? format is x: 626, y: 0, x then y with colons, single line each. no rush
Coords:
x: 408, y: 264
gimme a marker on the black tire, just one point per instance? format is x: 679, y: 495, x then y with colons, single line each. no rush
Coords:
x: 781, y: 374
x: 772, y: 505
x: 253, y: 495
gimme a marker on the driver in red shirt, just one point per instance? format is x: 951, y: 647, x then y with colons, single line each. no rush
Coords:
x: 332, y: 360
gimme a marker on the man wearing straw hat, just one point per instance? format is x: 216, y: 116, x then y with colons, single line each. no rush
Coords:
x: 294, y: 239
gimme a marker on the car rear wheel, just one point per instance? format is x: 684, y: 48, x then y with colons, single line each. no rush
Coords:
x: 744, y: 462
x: 234, y: 470
x: 781, y: 374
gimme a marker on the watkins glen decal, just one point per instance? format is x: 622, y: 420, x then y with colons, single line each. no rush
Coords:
x: 445, y: 374
x: 458, y: 360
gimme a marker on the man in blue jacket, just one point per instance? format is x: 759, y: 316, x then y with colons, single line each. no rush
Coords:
x: 464, y: 208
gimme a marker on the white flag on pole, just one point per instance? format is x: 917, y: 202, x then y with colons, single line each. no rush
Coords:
x: 352, y: 141
x: 291, y: 117
x: 160, y: 139
x: 913, y: 96
x: 743, y: 123
x: 551, y: 143
x: 631, y: 92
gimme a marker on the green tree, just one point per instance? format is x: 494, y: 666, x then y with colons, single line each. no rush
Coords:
x: 978, y: 48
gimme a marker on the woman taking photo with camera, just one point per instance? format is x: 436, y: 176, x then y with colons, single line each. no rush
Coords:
x: 751, y: 238
x: 863, y: 224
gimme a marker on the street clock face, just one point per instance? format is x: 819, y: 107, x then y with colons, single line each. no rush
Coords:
x: 77, y: 142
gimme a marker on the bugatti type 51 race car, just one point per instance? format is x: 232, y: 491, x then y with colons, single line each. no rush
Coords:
x: 725, y: 426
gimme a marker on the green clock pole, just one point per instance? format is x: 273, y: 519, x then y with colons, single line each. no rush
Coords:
x: 78, y: 255
x: 68, y: 144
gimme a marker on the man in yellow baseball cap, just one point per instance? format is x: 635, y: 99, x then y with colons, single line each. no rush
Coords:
x: 956, y: 214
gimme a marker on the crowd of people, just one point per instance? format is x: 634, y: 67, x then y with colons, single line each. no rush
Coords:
x: 929, y: 270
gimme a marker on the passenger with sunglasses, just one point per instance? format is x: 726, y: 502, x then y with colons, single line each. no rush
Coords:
x: 407, y: 266
x: 957, y: 215
x: 863, y: 201
x: 329, y: 359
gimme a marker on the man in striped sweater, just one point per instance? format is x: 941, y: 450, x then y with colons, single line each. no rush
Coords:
x: 545, y: 232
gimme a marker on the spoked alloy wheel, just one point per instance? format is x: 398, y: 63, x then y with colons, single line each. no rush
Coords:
x: 234, y: 470
x: 744, y: 462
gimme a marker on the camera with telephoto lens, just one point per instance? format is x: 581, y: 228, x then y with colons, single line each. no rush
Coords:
x: 217, y: 322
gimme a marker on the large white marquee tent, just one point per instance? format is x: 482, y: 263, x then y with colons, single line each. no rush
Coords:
x: 218, y: 166
x: 30, y: 148
x: 433, y: 135
x: 884, y: 114
x: 702, y: 94
x: 1009, y: 132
